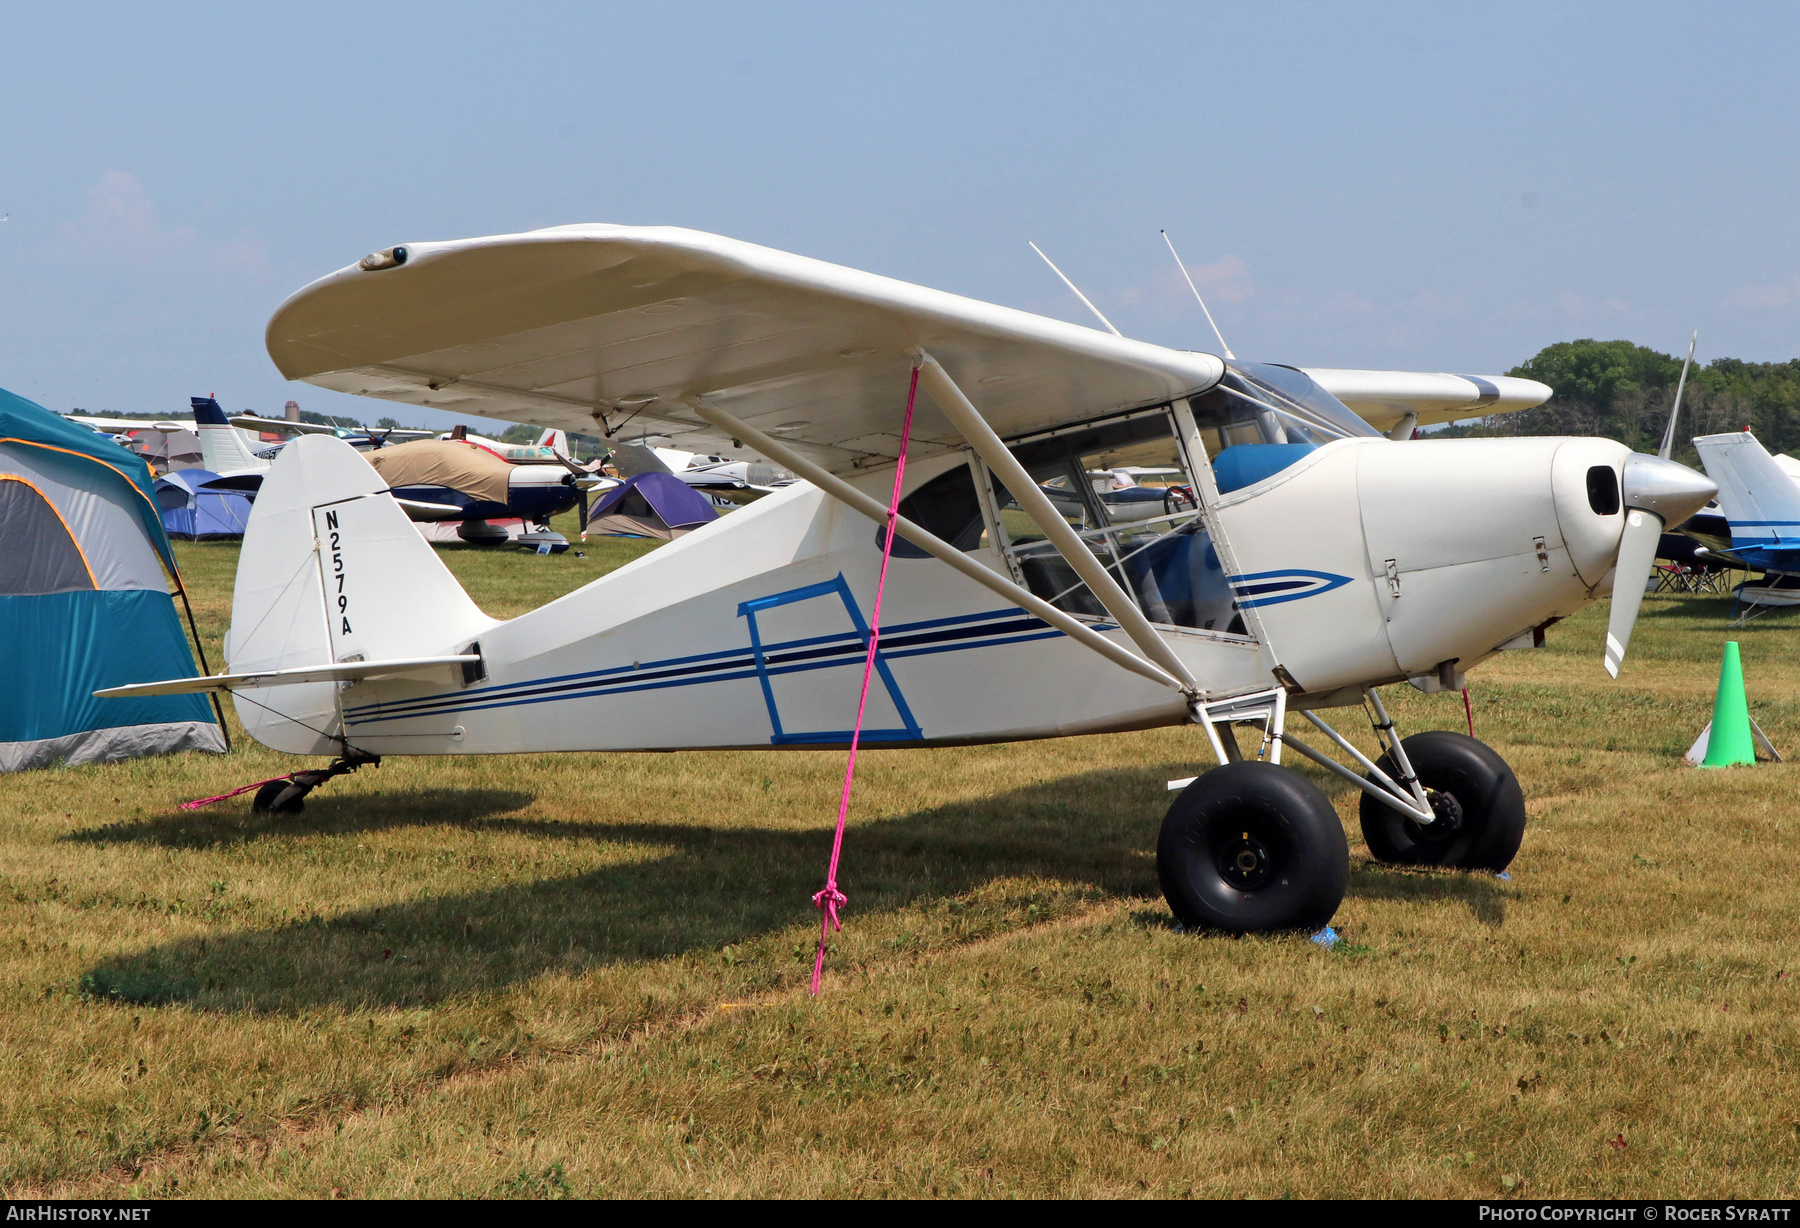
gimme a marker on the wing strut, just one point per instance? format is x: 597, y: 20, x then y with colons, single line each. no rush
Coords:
x: 940, y: 549
x: 989, y: 446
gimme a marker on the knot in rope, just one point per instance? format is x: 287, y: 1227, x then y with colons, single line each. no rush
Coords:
x: 828, y: 902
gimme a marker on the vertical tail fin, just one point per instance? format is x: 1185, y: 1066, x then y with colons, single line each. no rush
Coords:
x: 553, y: 438
x: 333, y: 571
x: 1758, y: 497
x: 222, y: 446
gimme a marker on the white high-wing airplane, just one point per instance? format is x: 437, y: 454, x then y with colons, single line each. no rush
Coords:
x: 121, y: 426
x: 361, y: 437
x: 1323, y: 561
x: 723, y: 479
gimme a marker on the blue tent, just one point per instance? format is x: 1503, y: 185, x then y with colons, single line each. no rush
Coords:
x: 84, y: 602
x: 195, y: 509
x: 650, y: 505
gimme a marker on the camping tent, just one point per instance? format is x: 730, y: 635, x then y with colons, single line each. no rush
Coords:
x: 168, y: 451
x: 195, y: 510
x: 83, y: 601
x: 650, y: 505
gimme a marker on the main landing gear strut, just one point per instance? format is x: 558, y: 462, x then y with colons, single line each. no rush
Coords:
x: 1253, y: 846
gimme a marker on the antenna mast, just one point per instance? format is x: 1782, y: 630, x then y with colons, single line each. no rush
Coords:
x: 1197, y: 298
x: 1078, y: 294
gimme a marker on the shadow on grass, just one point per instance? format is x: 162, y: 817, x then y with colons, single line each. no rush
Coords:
x: 1484, y: 895
x: 700, y: 888
x: 325, y: 815
x: 697, y: 887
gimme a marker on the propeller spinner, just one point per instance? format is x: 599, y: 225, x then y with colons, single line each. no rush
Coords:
x: 1656, y: 492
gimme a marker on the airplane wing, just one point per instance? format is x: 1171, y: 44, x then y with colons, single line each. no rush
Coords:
x: 251, y: 422
x: 427, y: 513
x: 1732, y: 557
x: 620, y: 330
x: 1383, y: 398
x: 121, y: 425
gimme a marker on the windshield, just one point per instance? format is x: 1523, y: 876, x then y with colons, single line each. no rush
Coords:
x: 1293, y: 391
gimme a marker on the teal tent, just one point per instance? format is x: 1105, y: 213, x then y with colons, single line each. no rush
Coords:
x: 84, y: 601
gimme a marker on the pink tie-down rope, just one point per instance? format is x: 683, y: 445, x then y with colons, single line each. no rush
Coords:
x: 831, y: 899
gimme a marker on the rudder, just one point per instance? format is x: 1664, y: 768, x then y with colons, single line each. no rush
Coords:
x: 222, y: 446
x: 332, y: 570
x: 1759, y: 499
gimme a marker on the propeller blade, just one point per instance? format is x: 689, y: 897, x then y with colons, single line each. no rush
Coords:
x: 1668, y: 443
x: 1637, y: 551
x: 582, y: 493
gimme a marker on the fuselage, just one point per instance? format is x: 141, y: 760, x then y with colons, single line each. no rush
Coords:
x: 1363, y: 562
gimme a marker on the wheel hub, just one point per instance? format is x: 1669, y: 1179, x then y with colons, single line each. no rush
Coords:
x: 1447, y: 816
x: 1244, y: 862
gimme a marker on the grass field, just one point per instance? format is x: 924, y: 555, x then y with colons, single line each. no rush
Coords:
x: 580, y: 975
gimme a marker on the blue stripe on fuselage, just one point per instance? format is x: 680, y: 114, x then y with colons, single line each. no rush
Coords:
x: 922, y: 638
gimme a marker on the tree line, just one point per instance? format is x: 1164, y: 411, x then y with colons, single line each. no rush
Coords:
x: 1624, y: 391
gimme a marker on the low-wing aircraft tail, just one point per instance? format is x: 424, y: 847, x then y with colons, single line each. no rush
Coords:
x: 332, y: 572
x: 1758, y: 496
x: 222, y: 446
x: 554, y: 439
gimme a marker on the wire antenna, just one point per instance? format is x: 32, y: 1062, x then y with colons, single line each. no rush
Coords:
x: 1197, y: 298
x: 1668, y: 444
x: 1078, y: 294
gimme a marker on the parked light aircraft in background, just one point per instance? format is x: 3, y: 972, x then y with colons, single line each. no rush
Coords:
x: 726, y: 481
x: 534, y: 492
x: 1323, y: 560
x: 124, y: 426
x: 1758, y: 521
x: 551, y: 447
x: 361, y: 438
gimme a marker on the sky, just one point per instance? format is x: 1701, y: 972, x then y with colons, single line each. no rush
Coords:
x: 1411, y: 186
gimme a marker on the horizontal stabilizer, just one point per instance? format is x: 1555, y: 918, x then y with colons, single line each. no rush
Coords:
x: 348, y: 671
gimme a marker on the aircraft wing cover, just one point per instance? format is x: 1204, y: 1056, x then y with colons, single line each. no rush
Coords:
x: 1382, y: 398
x: 620, y: 330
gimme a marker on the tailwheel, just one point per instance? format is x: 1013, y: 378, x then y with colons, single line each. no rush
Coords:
x: 1250, y: 847
x: 1479, y: 807
x: 280, y: 797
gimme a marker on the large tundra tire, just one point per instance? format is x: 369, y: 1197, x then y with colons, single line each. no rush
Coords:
x: 1251, y: 847
x: 1480, y: 806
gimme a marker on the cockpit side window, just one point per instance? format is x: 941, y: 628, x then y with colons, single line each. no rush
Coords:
x: 1123, y: 485
x: 946, y: 507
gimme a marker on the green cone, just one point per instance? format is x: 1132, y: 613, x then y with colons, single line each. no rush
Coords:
x: 1729, y: 743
